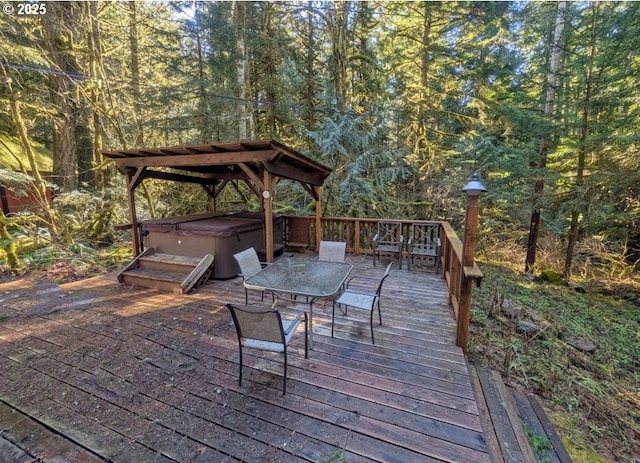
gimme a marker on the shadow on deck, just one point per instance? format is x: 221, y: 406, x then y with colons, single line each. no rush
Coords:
x: 96, y: 371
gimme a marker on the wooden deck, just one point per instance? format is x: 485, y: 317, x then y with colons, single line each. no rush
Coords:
x: 96, y: 371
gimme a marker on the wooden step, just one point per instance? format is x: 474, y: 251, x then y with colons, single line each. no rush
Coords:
x: 538, y: 426
x: 151, y: 278
x: 169, y: 262
x: 511, y: 420
x: 167, y: 272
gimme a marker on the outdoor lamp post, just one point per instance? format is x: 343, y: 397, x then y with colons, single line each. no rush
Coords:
x: 473, y: 189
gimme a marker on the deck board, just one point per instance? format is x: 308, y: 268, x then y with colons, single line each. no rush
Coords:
x: 133, y: 374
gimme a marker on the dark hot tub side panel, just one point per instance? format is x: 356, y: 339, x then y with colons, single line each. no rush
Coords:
x: 216, y: 234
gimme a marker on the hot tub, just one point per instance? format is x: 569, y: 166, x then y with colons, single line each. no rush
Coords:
x: 219, y: 234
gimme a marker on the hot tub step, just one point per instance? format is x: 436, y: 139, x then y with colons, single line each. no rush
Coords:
x: 169, y: 262
x: 167, y: 272
x: 158, y: 279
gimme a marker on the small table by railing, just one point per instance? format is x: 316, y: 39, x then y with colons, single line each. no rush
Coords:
x: 312, y: 279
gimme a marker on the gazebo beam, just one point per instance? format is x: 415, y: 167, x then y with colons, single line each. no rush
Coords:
x: 258, y: 183
x: 293, y: 173
x: 209, y: 159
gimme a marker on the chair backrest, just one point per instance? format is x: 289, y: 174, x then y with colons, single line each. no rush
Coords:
x: 389, y: 232
x: 425, y: 236
x: 332, y: 251
x: 259, y: 323
x: 248, y: 262
x: 384, y: 277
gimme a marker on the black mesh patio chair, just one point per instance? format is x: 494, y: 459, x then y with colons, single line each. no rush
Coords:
x: 264, y: 328
x: 362, y: 299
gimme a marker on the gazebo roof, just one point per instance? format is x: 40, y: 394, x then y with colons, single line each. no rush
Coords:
x: 259, y: 163
x: 210, y: 163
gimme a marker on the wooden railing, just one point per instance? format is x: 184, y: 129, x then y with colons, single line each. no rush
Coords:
x: 358, y: 233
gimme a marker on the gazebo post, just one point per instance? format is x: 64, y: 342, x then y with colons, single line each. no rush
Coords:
x: 268, y: 217
x: 131, y: 195
x: 318, y: 192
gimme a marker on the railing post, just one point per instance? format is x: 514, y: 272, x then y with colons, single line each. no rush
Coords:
x: 473, y: 190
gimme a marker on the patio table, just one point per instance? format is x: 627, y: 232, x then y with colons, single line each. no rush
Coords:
x: 313, y: 279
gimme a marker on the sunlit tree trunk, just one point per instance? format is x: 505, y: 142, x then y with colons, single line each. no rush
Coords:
x: 552, y: 82
x: 59, y: 41
x: 83, y: 117
x: 95, y: 57
x: 134, y: 50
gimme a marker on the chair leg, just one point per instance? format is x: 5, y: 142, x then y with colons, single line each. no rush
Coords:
x: 284, y: 380
x: 373, y: 341
x: 246, y: 296
x: 333, y: 316
x: 379, y: 312
x: 240, y: 376
x: 306, y: 336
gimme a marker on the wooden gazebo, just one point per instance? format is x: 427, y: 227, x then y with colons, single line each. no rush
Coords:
x: 261, y: 164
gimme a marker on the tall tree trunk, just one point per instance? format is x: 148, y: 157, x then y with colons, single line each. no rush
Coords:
x: 203, y: 102
x: 338, y: 17
x: 241, y: 51
x: 269, y: 62
x: 134, y: 50
x: 578, y: 206
x: 83, y: 141
x: 552, y: 82
x: 59, y: 40
x: 310, y: 86
x: 95, y: 63
x: 422, y: 146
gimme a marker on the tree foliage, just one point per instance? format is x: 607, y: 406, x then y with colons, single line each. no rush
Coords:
x: 402, y: 99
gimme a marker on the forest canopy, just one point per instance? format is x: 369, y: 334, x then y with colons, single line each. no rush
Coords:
x: 404, y: 100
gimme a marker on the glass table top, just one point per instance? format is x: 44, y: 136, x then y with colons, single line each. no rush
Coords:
x: 305, y: 277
